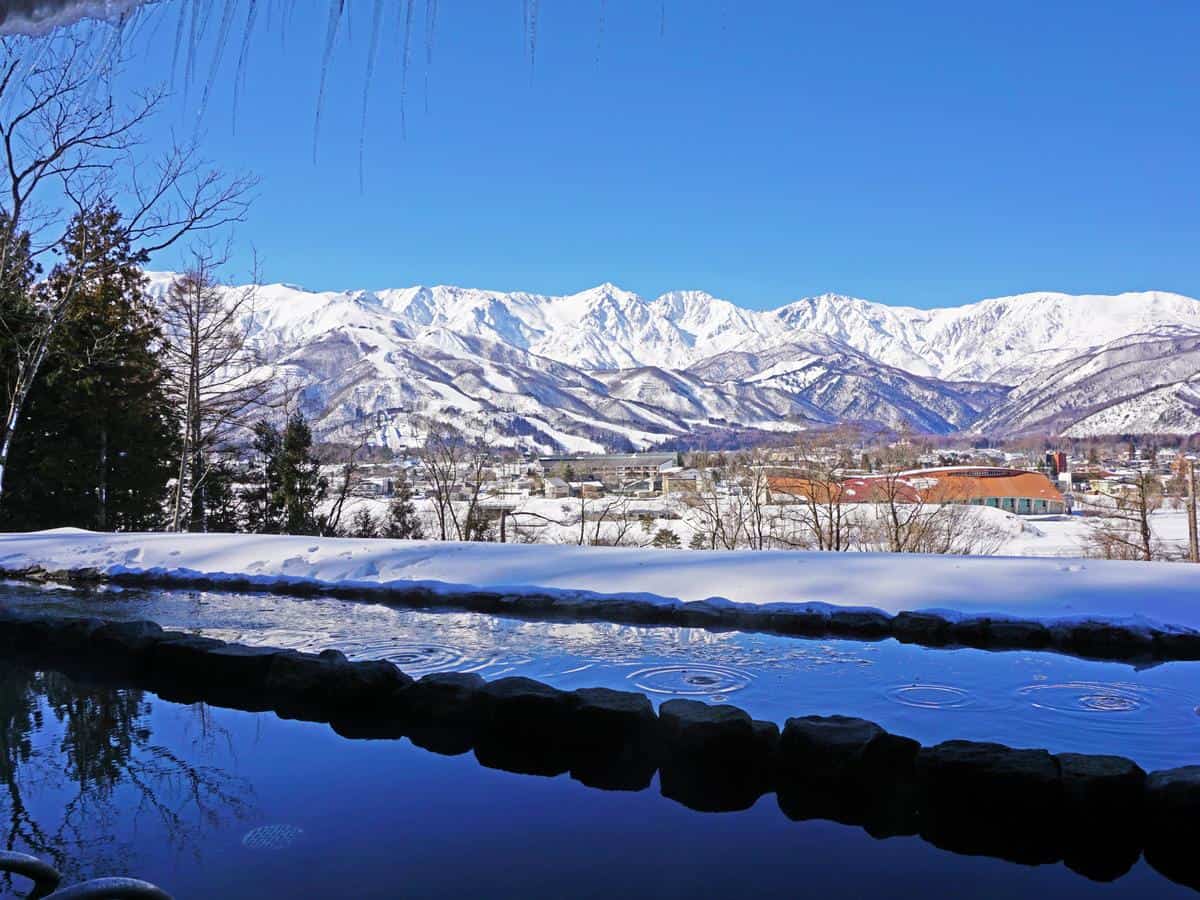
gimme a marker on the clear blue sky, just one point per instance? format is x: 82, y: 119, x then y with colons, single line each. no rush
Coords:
x: 926, y: 153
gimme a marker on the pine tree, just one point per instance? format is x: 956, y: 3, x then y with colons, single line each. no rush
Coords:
x: 665, y: 538
x: 402, y: 515
x: 99, y: 428
x: 363, y: 524
x: 301, y: 484
x: 260, y: 496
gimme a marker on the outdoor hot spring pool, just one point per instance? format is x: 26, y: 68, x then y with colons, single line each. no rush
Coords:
x: 210, y: 802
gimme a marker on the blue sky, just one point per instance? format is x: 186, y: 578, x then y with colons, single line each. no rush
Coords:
x: 927, y: 153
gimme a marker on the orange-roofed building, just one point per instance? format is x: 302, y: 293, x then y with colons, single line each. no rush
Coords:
x: 1014, y: 490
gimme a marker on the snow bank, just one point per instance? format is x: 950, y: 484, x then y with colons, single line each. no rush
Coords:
x: 1162, y: 595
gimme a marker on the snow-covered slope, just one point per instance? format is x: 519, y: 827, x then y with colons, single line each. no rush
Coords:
x: 1142, y: 383
x: 1002, y: 339
x: 607, y: 367
x: 852, y: 386
x: 610, y: 328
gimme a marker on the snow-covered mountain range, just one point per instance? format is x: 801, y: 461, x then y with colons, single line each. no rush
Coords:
x: 609, y: 368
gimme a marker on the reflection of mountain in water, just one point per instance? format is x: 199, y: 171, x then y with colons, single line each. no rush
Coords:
x: 81, y: 775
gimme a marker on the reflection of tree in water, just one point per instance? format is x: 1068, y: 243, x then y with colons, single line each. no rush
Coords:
x: 93, y: 748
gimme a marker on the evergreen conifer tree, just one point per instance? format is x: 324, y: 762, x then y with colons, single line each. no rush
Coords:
x: 99, y: 428
x: 402, y: 515
x: 260, y: 496
x: 363, y: 524
x: 301, y: 484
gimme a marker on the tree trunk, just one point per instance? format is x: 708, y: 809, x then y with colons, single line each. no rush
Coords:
x: 1193, y: 526
x: 102, y: 483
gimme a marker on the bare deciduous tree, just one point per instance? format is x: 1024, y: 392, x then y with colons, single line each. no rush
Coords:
x: 213, y: 377
x: 67, y: 148
x: 454, y: 466
x: 1119, y: 520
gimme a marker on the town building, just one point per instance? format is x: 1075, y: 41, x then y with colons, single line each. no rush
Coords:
x: 556, y: 488
x: 609, y: 468
x: 1017, y: 491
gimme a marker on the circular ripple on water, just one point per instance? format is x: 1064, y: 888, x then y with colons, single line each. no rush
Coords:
x: 930, y: 696
x: 272, y: 837
x: 699, y: 680
x: 413, y: 658
x: 1087, y: 697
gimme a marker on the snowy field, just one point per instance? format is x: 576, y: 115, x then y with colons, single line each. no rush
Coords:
x: 1057, y: 535
x: 1163, y: 594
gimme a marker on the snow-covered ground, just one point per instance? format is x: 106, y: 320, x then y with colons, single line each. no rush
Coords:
x: 1010, y: 535
x: 1163, y: 594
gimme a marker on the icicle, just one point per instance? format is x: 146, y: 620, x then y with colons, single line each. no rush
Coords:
x: 376, y: 27
x: 183, y: 11
x: 533, y: 24
x: 600, y: 33
x: 335, y: 17
x: 239, y: 78
x: 189, y: 72
x: 218, y: 52
x: 404, y: 62
x: 430, y: 26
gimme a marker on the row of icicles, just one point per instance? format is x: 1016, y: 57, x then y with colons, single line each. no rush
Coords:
x: 197, y: 18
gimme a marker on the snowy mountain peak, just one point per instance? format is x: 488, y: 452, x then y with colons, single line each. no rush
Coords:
x: 608, y: 367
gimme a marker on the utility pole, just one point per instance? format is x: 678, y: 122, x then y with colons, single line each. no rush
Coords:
x: 1193, y: 542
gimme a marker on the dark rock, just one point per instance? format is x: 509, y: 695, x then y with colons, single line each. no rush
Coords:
x: 529, y: 603
x: 839, y: 748
x: 71, y: 635
x: 536, y: 712
x: 887, y: 809
x: 445, y: 699
x: 334, y: 656
x: 240, y: 666
x: 707, y: 785
x: 368, y: 687
x: 181, y: 656
x: 1177, y: 645
x: 294, y: 679
x: 127, y: 638
x: 1102, y: 639
x: 524, y: 727
x: 1172, y: 810
x: 445, y: 740
x: 921, y: 628
x: 860, y: 622
x: 603, y: 716
x: 1101, y: 788
x: 966, y: 768
x: 613, y: 739
x: 702, y: 614
x: 1103, y: 801
x: 991, y: 799
x: 694, y: 729
x: 1017, y: 633
x: 1102, y: 857
x: 766, y: 738
x: 797, y: 621
x: 633, y: 771
x: 481, y: 601
x: 972, y: 632
x: 1173, y: 797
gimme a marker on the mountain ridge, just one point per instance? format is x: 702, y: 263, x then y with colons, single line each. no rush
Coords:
x: 640, y: 370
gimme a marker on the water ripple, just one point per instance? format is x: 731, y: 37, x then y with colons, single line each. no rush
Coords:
x: 1088, y: 697
x: 931, y: 696
x: 698, y: 680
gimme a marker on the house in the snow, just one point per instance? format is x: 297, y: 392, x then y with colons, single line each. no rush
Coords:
x: 1017, y: 491
x: 556, y: 488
